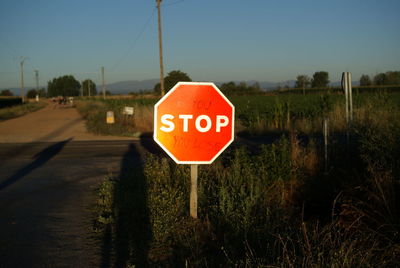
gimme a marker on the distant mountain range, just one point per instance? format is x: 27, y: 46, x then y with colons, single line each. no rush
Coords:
x: 125, y: 87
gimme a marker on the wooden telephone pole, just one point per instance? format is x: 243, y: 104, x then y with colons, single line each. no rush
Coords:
x: 103, y: 83
x: 160, y: 49
x: 37, y: 80
x: 22, y: 79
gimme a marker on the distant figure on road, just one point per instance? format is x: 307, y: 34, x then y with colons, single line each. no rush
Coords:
x: 71, y: 101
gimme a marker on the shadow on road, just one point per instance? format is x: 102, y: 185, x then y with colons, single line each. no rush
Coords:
x: 133, y: 231
x: 26, y: 146
x: 40, y: 159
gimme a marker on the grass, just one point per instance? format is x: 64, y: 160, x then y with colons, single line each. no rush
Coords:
x: 271, y: 205
x: 20, y: 110
x: 94, y: 111
x: 267, y: 208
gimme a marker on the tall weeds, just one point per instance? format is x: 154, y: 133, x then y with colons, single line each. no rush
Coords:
x: 252, y: 208
x: 94, y: 111
x: 273, y: 206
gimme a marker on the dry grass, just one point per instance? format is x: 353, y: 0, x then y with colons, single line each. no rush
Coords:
x: 20, y: 110
x: 143, y: 118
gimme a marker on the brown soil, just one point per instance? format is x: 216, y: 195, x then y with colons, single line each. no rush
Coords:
x: 50, y: 124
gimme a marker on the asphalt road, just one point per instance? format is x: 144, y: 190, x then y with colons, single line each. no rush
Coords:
x: 46, y: 193
x: 50, y: 168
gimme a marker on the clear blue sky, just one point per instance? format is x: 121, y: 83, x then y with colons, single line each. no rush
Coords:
x: 211, y: 40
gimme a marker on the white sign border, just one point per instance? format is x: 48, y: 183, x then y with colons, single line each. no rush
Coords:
x: 166, y: 96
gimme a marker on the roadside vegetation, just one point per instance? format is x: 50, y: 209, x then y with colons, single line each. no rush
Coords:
x: 94, y: 111
x: 19, y: 109
x: 256, y: 115
x: 276, y: 203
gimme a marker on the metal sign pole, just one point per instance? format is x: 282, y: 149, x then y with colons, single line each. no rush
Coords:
x: 346, y: 90
x: 193, y: 190
x: 350, y: 93
x: 346, y: 84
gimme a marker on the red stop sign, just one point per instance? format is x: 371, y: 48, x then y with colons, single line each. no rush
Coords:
x: 194, y: 123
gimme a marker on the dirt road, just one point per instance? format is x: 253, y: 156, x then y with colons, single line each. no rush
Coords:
x: 49, y: 170
x: 50, y: 124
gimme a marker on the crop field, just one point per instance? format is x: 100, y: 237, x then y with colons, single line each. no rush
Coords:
x: 255, y: 114
x: 278, y: 203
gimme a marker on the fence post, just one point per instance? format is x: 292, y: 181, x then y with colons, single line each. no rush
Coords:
x: 350, y: 93
x: 347, y: 87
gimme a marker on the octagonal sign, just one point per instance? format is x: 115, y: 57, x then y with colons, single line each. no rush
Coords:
x: 194, y: 123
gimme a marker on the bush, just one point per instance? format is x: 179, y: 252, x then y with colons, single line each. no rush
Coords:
x: 269, y: 205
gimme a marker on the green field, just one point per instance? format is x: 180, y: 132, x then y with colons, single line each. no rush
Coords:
x: 255, y: 114
x: 271, y: 205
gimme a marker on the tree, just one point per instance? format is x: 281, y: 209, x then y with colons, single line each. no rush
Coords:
x: 63, y: 86
x: 6, y: 92
x: 31, y: 94
x: 392, y: 78
x: 242, y: 88
x: 320, y: 79
x: 388, y: 78
x: 228, y: 88
x: 171, y: 79
x: 380, y: 79
x: 255, y: 88
x: 302, y: 81
x: 42, y: 93
x: 365, y: 80
x: 89, y: 84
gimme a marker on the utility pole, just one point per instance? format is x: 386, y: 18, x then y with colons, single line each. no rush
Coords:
x: 104, y: 86
x: 37, y: 85
x: 160, y: 49
x: 22, y: 79
x: 89, y: 86
x: 37, y: 80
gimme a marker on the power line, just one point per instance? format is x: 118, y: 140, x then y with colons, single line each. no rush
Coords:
x: 160, y: 48
x: 173, y: 3
x: 121, y: 59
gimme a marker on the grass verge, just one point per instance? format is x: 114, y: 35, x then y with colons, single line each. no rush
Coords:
x: 268, y: 207
x: 20, y: 110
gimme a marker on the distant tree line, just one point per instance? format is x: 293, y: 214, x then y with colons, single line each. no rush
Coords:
x: 231, y: 88
x: 6, y: 93
x: 321, y: 79
x: 33, y: 92
x: 67, y: 85
x: 30, y: 94
x: 381, y: 79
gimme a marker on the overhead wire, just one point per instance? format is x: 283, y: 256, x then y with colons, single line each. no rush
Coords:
x: 134, y: 43
x: 173, y: 3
